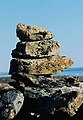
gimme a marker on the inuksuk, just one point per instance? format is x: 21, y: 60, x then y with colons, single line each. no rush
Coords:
x: 36, y: 59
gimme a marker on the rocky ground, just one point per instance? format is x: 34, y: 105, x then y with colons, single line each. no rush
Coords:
x: 58, y: 99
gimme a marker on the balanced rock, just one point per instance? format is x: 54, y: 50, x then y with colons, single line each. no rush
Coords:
x: 36, y: 49
x: 32, y: 33
x: 51, y: 65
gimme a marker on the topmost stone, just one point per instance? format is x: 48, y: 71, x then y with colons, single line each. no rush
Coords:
x: 32, y: 33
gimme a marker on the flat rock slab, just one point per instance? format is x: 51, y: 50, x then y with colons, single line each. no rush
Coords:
x: 51, y: 65
x: 36, y: 49
x: 32, y: 33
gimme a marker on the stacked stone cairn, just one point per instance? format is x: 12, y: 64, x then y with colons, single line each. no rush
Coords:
x: 37, y: 93
x: 36, y: 53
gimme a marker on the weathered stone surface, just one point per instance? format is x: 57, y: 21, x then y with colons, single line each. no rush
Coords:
x: 51, y: 65
x: 36, y: 49
x: 51, y: 96
x: 32, y: 33
x: 48, y: 98
x: 27, y: 79
x: 47, y: 86
x: 45, y: 81
x: 5, y: 86
x: 11, y: 104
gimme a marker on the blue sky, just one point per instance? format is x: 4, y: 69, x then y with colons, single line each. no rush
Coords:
x: 63, y: 17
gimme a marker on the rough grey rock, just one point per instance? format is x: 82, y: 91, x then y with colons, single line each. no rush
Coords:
x: 49, y: 97
x: 68, y: 102
x: 47, y: 86
x: 42, y: 80
x: 27, y: 79
x: 10, y: 104
x: 36, y: 49
x: 32, y: 33
x: 51, y: 65
x: 5, y: 86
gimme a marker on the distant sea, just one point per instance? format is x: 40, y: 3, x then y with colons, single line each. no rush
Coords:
x: 66, y: 72
x: 4, y: 74
x: 71, y: 72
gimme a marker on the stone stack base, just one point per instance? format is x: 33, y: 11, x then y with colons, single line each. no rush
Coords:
x: 52, y: 98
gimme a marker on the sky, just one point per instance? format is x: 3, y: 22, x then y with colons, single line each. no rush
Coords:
x: 62, y: 17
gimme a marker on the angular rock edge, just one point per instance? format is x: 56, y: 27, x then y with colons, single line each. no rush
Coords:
x: 37, y: 49
x: 32, y: 33
x: 51, y: 65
